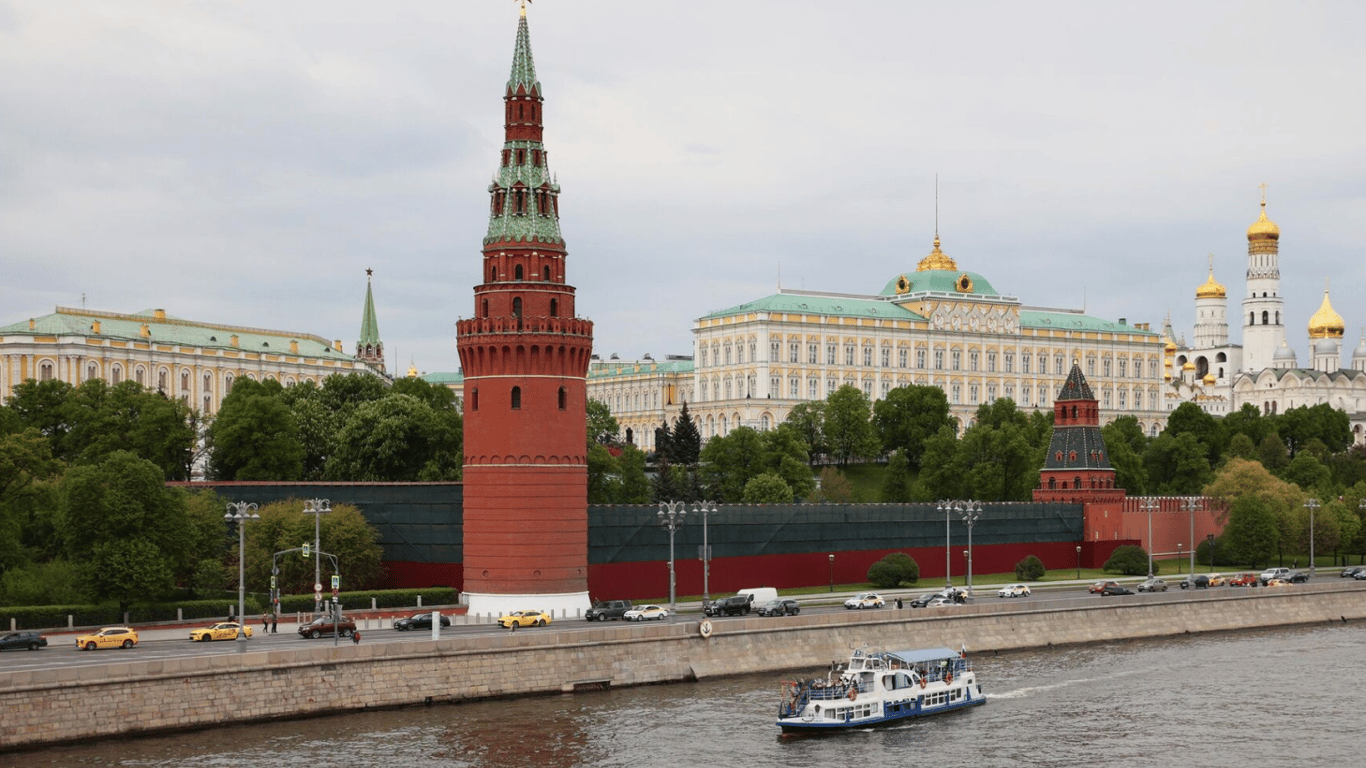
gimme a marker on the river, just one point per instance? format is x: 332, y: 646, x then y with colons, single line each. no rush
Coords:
x: 1288, y: 696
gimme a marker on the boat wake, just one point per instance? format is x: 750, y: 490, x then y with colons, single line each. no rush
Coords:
x: 1021, y: 693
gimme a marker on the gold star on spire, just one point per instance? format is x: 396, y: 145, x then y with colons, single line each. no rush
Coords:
x: 523, y: 4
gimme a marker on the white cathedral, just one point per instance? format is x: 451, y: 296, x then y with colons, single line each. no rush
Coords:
x: 1221, y: 377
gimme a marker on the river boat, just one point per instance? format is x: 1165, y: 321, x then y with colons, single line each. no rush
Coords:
x: 880, y: 687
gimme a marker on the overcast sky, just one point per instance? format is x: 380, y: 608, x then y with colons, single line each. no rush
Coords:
x: 244, y: 162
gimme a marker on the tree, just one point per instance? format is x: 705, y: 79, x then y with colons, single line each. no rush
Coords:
x: 1272, y: 453
x: 398, y: 438
x: 767, y: 488
x: 832, y: 487
x: 730, y: 461
x: 344, y: 531
x: 256, y: 436
x: 939, y: 473
x: 897, y: 569
x: 42, y: 406
x: 995, y: 458
x: 897, y: 483
x: 602, y: 427
x: 1189, y: 418
x: 847, y: 427
x: 807, y: 420
x: 1031, y: 569
x: 1306, y: 471
x: 1249, y: 422
x: 1129, y: 560
x: 786, y: 455
x: 1251, y: 534
x: 1240, y: 477
x: 123, y: 527
x: 687, y: 441
x: 103, y: 419
x: 1125, y: 441
x: 1298, y: 425
x: 1177, y: 465
x: 602, y: 478
x: 908, y: 416
x: 634, y: 487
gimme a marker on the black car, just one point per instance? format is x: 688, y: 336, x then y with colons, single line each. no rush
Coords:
x: 1298, y: 577
x: 608, y: 610
x: 25, y: 639
x: 1198, y: 581
x: 780, y: 608
x: 1115, y: 589
x: 419, y: 621
x: 735, y: 605
x: 924, y: 600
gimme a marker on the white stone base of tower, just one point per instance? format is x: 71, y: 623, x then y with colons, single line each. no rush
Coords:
x: 568, y: 605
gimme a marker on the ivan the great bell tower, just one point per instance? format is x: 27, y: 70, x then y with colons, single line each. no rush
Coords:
x: 525, y: 357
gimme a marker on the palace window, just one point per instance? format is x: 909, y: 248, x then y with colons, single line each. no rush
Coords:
x: 45, y: 372
x: 773, y: 352
x: 1090, y: 366
x: 972, y: 360
x: 991, y: 362
x: 792, y: 351
x: 702, y: 357
x: 991, y: 393
x: 728, y: 356
x: 1123, y: 399
x: 775, y: 387
x: 956, y: 394
x: 740, y: 353
x: 1057, y: 365
x: 867, y: 356
x: 972, y: 395
x: 848, y: 354
x: 829, y: 354
x: 115, y: 375
x: 939, y: 359
x: 812, y: 354
x: 813, y: 389
x: 920, y: 358
x: 868, y: 389
x: 793, y: 385
x: 1024, y: 363
x: 956, y: 359
x: 901, y: 357
x: 886, y: 357
x: 1105, y: 366
x: 886, y: 387
x: 1123, y: 367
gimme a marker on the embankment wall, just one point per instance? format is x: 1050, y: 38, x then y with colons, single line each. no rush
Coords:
x: 129, y: 696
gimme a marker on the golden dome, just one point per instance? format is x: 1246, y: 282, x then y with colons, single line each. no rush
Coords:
x: 1189, y: 366
x: 1209, y: 378
x: 1170, y: 346
x: 412, y: 371
x: 1263, y: 228
x: 1326, y: 324
x: 1211, y: 289
x: 936, y: 260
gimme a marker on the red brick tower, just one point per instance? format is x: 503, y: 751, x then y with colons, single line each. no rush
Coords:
x: 525, y: 357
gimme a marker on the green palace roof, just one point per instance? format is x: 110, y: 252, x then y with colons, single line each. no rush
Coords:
x: 165, y: 329
x: 1076, y: 321
x: 820, y: 304
x: 937, y: 281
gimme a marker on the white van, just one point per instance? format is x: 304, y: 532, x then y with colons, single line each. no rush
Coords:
x: 759, y: 595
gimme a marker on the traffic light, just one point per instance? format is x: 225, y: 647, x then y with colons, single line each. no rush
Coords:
x: 306, y: 551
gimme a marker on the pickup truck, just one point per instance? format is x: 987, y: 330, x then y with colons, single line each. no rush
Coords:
x: 608, y: 610
x: 735, y: 605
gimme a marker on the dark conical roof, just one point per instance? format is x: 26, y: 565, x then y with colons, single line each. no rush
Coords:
x: 1076, y: 388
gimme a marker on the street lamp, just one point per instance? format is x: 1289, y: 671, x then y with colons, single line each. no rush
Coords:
x: 1078, y: 562
x: 317, y: 508
x: 671, y: 514
x: 1190, y: 504
x: 240, y: 513
x: 832, y: 571
x: 1209, y: 537
x: 1311, y: 505
x: 1178, y: 556
x: 946, y: 507
x: 705, y: 507
x: 1149, y: 504
x: 970, y: 511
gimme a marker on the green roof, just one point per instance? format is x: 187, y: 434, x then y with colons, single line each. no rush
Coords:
x: 65, y: 321
x: 938, y: 281
x: 443, y: 377
x: 1075, y: 321
x: 369, y: 324
x: 820, y: 304
x: 605, y: 369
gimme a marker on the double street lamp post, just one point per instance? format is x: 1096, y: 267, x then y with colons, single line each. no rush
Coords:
x: 671, y: 514
x: 1311, y: 505
x: 317, y: 508
x: 1190, y: 504
x: 970, y: 511
x: 1149, y: 505
x: 705, y: 507
x: 240, y: 513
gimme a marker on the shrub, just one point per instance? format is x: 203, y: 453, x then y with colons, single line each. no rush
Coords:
x: 1129, y: 560
x: 1030, y: 569
x: 894, y: 570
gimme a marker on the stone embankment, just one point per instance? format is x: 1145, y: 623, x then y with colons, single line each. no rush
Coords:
x: 83, y: 702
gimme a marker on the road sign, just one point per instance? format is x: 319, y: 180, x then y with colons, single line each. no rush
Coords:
x: 317, y: 595
x: 272, y: 582
x: 306, y: 551
x: 318, y: 587
x: 336, y: 582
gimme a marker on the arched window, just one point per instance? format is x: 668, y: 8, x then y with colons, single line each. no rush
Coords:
x: 1076, y: 482
x: 474, y: 399
x: 516, y: 398
x: 1052, y: 483
x: 90, y: 372
x: 554, y: 307
x: 161, y: 380
x: 547, y: 274
x: 563, y: 397
x: 227, y: 383
x: 1265, y: 315
x: 485, y: 307
x: 493, y: 272
x: 517, y: 272
x: 1278, y: 317
x: 116, y: 375
x: 517, y: 307
x: 208, y: 383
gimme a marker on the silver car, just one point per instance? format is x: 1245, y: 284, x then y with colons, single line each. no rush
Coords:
x: 1153, y: 585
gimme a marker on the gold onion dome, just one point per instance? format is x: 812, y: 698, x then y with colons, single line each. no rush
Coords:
x: 412, y: 371
x: 936, y: 260
x: 1326, y: 324
x: 1263, y: 228
x: 1211, y: 289
x: 1170, y: 346
x: 1209, y: 378
x: 1189, y: 366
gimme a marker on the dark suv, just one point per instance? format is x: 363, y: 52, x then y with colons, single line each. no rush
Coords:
x: 323, y: 626
x: 607, y: 610
x: 23, y: 639
x: 735, y: 605
x: 779, y: 608
x: 419, y: 621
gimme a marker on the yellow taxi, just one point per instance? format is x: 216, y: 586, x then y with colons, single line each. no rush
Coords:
x: 109, y: 637
x: 223, y: 630
x: 1217, y: 580
x: 524, y: 619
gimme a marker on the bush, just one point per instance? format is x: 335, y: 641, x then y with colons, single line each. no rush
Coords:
x: 894, y: 570
x: 1030, y: 569
x: 1129, y: 560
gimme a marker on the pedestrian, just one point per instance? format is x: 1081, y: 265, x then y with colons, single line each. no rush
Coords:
x: 274, y: 619
x: 355, y: 637
x: 265, y: 622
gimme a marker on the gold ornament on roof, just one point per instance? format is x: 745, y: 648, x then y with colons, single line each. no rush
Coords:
x: 1211, y: 289
x: 1263, y: 228
x: 1326, y: 324
x: 902, y: 285
x: 963, y: 283
x: 1189, y: 366
x: 936, y: 260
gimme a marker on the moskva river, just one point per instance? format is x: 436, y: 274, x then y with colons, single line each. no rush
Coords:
x: 1291, y: 697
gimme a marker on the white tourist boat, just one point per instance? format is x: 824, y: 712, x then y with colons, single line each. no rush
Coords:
x: 880, y: 687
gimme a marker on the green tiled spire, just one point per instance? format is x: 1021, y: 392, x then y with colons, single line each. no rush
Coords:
x: 523, y: 68
x: 369, y: 325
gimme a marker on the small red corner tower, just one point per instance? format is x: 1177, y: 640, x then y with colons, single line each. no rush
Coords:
x: 525, y: 358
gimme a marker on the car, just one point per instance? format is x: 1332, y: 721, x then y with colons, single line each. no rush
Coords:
x: 324, y: 625
x: 608, y: 610
x: 1115, y: 589
x: 109, y: 637
x: 1014, y: 590
x: 924, y: 600
x: 1351, y: 571
x: 646, y: 613
x: 1360, y: 575
x: 223, y: 630
x: 524, y: 619
x: 1272, y: 573
x: 1153, y: 585
x: 1217, y: 580
x: 1198, y: 581
x: 1298, y: 577
x: 1100, y: 586
x: 1277, y: 582
x: 1243, y: 580
x: 23, y: 639
x: 864, y: 600
x: 419, y: 621
x: 780, y: 608
x: 735, y: 605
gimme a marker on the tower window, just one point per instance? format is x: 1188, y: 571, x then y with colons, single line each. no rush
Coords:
x: 474, y: 399
x: 1265, y: 317
x: 493, y: 272
x: 516, y: 398
x: 517, y: 272
x: 554, y: 307
x: 486, y: 307
x: 563, y: 397
x: 547, y: 274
